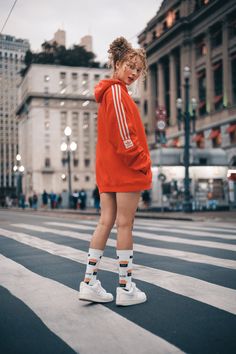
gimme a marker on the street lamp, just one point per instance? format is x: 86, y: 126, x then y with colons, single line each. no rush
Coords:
x: 68, y: 147
x: 187, y: 118
x: 18, y: 171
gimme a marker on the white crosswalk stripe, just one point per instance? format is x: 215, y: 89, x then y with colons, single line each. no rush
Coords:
x: 68, y: 319
x: 211, y: 294
x: 184, y: 255
x: 185, y: 230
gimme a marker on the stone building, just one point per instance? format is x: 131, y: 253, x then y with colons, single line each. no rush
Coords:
x: 200, y: 34
x: 12, y: 53
x: 51, y: 98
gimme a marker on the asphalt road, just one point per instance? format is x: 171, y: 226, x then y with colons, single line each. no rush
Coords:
x: 187, y: 270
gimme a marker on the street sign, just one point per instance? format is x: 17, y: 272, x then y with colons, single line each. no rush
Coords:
x: 161, y: 118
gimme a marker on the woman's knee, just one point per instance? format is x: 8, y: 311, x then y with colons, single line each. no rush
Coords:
x: 106, y: 222
x: 124, y: 222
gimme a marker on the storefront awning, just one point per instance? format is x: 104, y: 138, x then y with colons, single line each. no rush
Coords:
x: 198, y: 137
x: 231, y: 128
x: 214, y: 134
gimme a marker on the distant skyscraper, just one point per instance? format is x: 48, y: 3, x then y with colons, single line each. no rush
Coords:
x: 12, y: 53
x: 60, y: 37
x: 87, y: 43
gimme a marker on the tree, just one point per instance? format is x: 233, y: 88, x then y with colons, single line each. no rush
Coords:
x: 54, y: 54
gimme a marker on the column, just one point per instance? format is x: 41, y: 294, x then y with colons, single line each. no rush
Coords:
x: 161, y: 85
x: 209, y: 76
x: 173, y: 89
x: 152, y: 99
x: 226, y: 65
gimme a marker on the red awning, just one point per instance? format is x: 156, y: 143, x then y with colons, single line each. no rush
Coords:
x: 175, y: 142
x: 198, y: 137
x: 231, y: 128
x: 232, y: 177
x: 202, y: 104
x: 216, y: 65
x: 218, y: 98
x: 214, y: 134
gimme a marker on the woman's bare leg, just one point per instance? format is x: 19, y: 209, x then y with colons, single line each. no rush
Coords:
x: 127, y: 204
x: 106, y: 221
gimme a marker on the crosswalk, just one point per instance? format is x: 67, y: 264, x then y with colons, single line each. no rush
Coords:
x: 187, y: 270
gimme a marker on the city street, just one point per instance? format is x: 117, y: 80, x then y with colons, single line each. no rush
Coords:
x: 187, y: 269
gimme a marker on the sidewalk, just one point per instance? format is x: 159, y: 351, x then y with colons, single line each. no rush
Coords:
x: 221, y: 216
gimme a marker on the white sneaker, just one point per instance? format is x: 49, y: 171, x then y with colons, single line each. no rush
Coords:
x: 132, y: 297
x: 94, y: 293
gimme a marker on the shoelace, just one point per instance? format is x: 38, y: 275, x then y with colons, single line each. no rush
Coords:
x: 101, y: 290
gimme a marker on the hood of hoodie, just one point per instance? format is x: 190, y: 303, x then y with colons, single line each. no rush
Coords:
x: 103, y: 85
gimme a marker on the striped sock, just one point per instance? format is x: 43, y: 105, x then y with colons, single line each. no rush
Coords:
x: 94, y: 257
x: 125, y: 259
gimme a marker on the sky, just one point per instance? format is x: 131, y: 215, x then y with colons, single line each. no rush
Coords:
x: 38, y: 20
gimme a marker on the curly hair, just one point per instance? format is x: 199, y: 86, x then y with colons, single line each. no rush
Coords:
x: 121, y: 50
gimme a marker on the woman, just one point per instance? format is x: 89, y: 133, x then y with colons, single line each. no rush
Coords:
x: 123, y: 170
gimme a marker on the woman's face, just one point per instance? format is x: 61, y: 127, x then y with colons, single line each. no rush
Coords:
x: 129, y: 70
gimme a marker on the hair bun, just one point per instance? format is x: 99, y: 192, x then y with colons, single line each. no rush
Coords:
x: 118, y: 48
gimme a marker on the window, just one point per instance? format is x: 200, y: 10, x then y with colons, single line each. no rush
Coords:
x: 216, y: 35
x: 200, y: 47
x: 76, y: 162
x: 62, y: 75
x: 145, y: 107
x: 232, y: 26
x: 74, y: 76
x: 201, y: 75
x: 233, y: 77
x: 218, y: 84
x: 87, y: 162
x: 87, y: 178
x: 47, y: 162
x: 96, y: 77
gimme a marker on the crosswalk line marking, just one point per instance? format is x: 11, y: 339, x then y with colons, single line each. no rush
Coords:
x: 165, y: 238
x: 214, y: 295
x: 229, y: 227
x: 190, y: 232
x: 157, y: 251
x: 74, y: 321
x: 152, y: 227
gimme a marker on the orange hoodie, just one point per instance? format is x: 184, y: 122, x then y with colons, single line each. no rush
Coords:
x: 122, y: 158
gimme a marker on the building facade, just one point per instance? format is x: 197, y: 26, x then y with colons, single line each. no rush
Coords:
x: 51, y: 98
x: 200, y: 34
x: 12, y: 53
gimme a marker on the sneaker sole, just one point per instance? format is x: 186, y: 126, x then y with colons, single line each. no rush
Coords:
x: 94, y: 299
x: 130, y: 302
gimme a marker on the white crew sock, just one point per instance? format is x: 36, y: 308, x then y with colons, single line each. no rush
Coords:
x: 125, y: 261
x: 94, y: 257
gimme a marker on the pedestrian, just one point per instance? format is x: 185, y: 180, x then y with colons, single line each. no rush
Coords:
x: 59, y: 201
x: 45, y: 199
x: 30, y: 200
x: 53, y: 198
x: 146, y: 198
x: 83, y: 199
x: 35, y: 201
x: 96, y: 198
x: 123, y: 170
x: 22, y: 201
x: 75, y: 198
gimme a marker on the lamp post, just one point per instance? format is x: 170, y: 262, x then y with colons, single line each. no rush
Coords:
x: 18, y: 170
x: 187, y: 118
x: 68, y: 147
